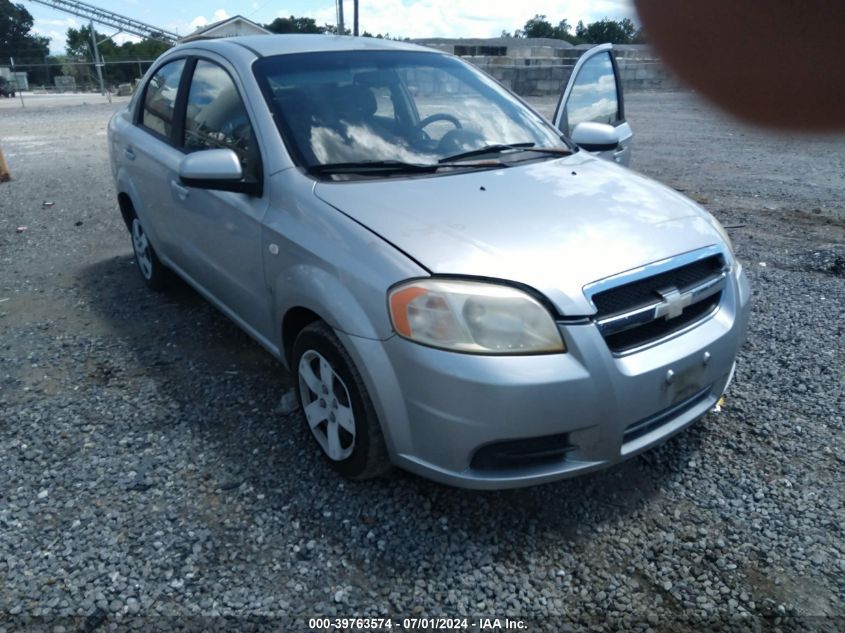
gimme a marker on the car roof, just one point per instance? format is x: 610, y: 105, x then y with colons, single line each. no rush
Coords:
x: 267, y: 45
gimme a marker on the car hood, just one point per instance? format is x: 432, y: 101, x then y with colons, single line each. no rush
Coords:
x: 555, y: 225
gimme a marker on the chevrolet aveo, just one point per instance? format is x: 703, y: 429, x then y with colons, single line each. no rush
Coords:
x: 458, y: 286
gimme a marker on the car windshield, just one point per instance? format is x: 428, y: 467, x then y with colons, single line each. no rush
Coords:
x: 396, y: 108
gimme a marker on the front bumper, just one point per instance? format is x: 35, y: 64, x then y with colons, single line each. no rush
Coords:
x: 439, y: 409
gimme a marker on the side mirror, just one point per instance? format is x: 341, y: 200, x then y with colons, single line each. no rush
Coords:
x: 218, y: 169
x: 595, y: 137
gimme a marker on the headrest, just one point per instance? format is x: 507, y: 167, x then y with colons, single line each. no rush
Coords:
x: 356, y: 101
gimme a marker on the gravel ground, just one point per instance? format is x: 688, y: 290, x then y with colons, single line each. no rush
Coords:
x: 148, y: 480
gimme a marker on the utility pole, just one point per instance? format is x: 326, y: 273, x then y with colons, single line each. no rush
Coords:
x: 340, y: 29
x: 355, y: 19
x: 97, y: 63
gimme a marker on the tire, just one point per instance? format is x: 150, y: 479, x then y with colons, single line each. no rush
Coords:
x: 336, y: 406
x: 153, y: 272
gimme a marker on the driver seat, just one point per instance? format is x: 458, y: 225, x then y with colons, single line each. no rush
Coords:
x: 356, y: 104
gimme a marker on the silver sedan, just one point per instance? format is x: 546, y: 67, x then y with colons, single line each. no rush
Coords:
x: 460, y: 287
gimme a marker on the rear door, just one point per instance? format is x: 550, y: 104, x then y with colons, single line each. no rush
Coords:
x: 594, y: 93
x: 148, y: 154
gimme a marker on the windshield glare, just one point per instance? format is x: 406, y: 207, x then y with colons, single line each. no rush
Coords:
x: 415, y: 107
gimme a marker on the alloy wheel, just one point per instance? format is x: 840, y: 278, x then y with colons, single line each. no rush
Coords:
x: 141, y: 246
x: 327, y: 406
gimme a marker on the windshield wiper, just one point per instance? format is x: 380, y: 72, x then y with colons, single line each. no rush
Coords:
x: 393, y: 166
x: 500, y: 148
x: 363, y: 166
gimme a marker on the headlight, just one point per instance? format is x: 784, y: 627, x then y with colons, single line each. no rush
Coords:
x: 474, y: 317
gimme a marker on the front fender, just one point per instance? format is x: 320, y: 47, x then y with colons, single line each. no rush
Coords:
x: 321, y: 291
x: 318, y: 258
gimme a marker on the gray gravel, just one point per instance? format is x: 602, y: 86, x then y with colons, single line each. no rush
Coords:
x: 149, y: 481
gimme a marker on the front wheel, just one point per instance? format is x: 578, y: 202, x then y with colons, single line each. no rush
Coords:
x: 337, y: 407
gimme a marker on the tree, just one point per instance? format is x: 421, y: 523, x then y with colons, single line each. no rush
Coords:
x: 332, y: 29
x: 639, y: 37
x: 294, y: 25
x: 16, y: 39
x: 147, y: 49
x: 539, y: 26
x: 119, y: 60
x: 607, y: 30
x: 78, y: 44
x: 563, y: 30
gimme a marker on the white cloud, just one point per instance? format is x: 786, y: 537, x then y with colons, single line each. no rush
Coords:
x: 201, y: 21
x: 464, y: 18
x: 198, y: 22
x: 122, y: 38
x: 56, y: 30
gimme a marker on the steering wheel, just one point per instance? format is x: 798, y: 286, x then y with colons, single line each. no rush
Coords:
x: 437, y: 116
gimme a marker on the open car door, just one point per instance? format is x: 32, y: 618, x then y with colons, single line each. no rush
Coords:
x: 591, y: 110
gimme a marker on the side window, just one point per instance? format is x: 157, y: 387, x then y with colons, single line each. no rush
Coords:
x: 216, y: 117
x: 160, y: 98
x: 594, y: 96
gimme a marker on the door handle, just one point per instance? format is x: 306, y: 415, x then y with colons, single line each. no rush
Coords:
x: 130, y: 153
x: 181, y: 192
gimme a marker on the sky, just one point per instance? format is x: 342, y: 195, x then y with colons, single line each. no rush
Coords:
x: 401, y: 18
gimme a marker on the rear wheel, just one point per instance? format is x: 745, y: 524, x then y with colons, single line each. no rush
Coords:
x: 153, y: 272
x: 337, y: 407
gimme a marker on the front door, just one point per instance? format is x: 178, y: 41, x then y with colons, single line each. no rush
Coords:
x: 221, y: 230
x: 594, y: 93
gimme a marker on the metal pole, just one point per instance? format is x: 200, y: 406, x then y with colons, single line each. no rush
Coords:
x: 15, y: 79
x: 355, y: 19
x: 97, y: 63
x: 340, y: 29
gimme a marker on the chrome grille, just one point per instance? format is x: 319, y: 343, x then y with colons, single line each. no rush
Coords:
x: 640, y: 309
x: 642, y: 292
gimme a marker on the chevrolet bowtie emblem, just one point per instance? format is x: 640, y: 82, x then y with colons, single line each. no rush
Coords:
x: 673, y: 303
